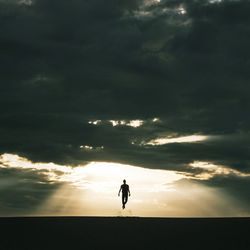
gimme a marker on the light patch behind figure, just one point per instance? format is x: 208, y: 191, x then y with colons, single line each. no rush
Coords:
x: 91, y: 190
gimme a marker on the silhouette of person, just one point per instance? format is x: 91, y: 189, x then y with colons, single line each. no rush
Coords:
x: 125, y: 192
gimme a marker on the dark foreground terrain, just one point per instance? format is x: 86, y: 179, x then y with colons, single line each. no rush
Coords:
x: 124, y: 233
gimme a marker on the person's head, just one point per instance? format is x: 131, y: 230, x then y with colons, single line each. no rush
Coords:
x: 124, y: 181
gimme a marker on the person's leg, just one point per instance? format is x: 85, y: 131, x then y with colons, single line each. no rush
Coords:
x: 123, y: 201
x: 125, y: 198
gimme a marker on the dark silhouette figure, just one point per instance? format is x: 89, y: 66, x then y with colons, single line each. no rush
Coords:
x: 125, y: 192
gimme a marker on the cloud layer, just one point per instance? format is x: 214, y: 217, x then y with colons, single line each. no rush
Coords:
x: 179, y: 67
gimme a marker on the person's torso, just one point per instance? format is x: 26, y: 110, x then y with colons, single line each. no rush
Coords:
x: 125, y: 188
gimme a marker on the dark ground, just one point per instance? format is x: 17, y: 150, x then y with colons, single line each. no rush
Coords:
x: 124, y: 233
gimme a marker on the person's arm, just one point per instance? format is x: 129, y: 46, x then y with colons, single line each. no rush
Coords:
x: 128, y: 190
x: 120, y: 191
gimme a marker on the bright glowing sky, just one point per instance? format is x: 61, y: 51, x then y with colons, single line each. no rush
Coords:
x: 92, y: 189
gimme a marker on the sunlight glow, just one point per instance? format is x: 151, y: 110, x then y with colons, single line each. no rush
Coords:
x: 182, y: 11
x: 212, y: 170
x: 131, y: 123
x: 151, y: 2
x: 183, y: 139
x: 95, y: 122
x: 98, y: 176
x: 51, y: 170
x: 215, y: 1
x: 92, y: 189
x: 116, y: 123
x: 86, y: 147
x: 155, y: 119
x: 91, y: 148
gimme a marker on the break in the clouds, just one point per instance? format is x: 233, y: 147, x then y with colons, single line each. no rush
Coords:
x: 91, y: 189
x: 154, y: 84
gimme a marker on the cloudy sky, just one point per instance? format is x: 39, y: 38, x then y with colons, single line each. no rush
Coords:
x: 154, y: 91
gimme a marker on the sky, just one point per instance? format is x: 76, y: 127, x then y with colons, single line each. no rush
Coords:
x: 152, y: 91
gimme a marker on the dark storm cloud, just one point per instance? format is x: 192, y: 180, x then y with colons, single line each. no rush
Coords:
x: 64, y: 63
